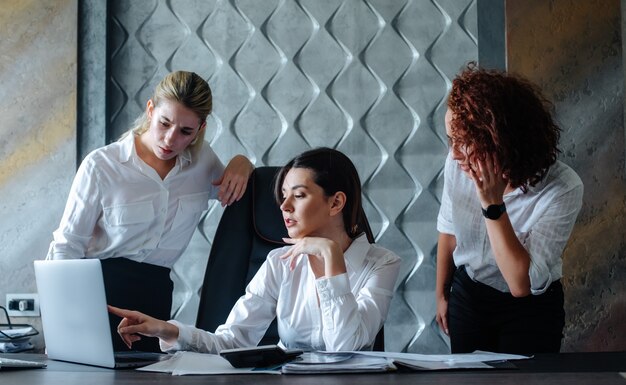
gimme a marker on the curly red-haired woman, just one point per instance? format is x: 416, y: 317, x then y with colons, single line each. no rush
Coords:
x: 508, y: 209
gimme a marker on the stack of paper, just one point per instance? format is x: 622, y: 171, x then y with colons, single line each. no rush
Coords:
x: 15, y: 347
x: 476, y: 360
x: 359, y: 361
x: 350, y: 362
x: 16, y: 339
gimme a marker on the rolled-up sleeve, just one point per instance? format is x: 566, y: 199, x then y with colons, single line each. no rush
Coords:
x: 548, y: 237
x: 81, y: 213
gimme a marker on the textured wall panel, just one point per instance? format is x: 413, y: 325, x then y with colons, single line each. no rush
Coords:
x: 367, y: 77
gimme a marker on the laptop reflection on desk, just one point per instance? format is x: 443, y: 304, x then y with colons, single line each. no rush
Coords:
x: 74, y: 315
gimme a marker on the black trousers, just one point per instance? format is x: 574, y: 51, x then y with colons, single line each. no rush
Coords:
x: 483, y: 318
x: 137, y: 286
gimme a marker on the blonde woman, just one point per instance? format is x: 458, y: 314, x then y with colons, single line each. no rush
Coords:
x: 134, y: 204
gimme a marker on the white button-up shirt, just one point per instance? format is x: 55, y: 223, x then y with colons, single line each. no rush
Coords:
x: 542, y: 218
x: 118, y: 206
x: 352, y: 306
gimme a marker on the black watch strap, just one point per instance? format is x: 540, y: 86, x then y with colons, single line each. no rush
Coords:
x: 494, y: 211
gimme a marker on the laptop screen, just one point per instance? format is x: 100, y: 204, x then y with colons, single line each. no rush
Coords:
x: 74, y: 311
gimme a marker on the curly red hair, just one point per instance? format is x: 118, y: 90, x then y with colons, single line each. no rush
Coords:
x: 498, y: 113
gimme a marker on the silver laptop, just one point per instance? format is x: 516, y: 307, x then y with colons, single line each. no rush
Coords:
x: 74, y: 315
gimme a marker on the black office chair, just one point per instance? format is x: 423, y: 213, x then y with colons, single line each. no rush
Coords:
x: 248, y: 230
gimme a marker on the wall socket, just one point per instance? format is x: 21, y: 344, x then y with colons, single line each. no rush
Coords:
x: 22, y: 305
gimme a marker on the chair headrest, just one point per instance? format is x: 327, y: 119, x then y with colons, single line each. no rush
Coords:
x: 267, y: 217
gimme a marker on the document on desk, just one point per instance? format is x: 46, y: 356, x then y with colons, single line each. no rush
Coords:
x: 18, y: 332
x: 476, y: 360
x: 16, y: 339
x: 184, y: 363
x: 477, y: 356
x: 343, y: 362
x: 188, y: 363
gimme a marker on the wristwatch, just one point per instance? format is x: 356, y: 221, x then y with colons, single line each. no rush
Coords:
x: 494, y: 211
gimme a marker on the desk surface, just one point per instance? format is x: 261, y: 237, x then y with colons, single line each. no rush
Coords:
x: 568, y: 369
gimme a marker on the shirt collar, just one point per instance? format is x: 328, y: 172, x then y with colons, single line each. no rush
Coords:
x: 543, y: 182
x: 357, y: 252
x: 185, y: 157
x: 128, y: 149
x: 536, y: 188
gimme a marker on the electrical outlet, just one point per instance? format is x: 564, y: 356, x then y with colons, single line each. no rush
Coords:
x: 23, y: 305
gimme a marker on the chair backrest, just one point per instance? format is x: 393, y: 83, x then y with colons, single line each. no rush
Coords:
x: 248, y: 230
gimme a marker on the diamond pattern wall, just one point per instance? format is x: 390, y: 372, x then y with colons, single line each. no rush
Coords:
x: 368, y: 77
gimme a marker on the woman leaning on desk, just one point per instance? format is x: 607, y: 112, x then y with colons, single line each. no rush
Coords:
x: 134, y: 204
x: 330, y: 290
x: 507, y: 211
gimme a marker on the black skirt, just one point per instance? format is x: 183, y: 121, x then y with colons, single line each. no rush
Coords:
x: 137, y: 286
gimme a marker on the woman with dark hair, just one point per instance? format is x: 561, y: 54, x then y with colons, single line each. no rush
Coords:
x: 507, y: 211
x: 330, y: 290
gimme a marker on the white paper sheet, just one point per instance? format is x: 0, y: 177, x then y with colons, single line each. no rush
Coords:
x: 183, y: 363
x: 18, y: 332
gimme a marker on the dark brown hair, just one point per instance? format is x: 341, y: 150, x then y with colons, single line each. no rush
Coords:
x: 333, y: 171
x: 498, y: 113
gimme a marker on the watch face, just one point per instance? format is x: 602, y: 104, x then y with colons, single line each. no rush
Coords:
x: 494, y: 211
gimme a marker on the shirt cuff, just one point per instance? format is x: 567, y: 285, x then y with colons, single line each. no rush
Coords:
x: 336, y: 286
x: 184, y: 335
x: 539, y: 285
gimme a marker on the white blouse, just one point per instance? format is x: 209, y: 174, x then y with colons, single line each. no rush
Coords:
x: 543, y: 219
x: 118, y: 206
x: 352, y: 306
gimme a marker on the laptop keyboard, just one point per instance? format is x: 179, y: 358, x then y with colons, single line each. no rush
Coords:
x: 122, y: 357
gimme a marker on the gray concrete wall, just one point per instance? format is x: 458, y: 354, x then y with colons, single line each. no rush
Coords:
x: 573, y: 50
x: 37, y: 133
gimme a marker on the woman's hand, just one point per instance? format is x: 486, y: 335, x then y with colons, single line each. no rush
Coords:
x: 489, y: 181
x: 234, y: 180
x: 445, y: 271
x: 442, y: 314
x: 325, y: 255
x: 511, y: 256
x: 135, y: 324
